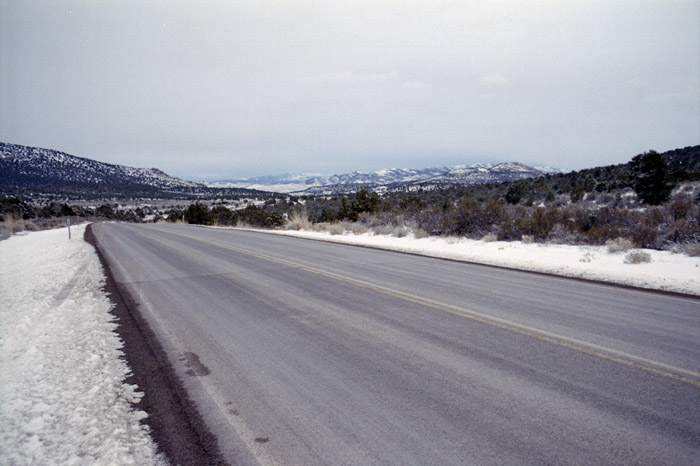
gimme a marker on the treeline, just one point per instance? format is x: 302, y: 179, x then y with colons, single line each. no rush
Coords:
x: 593, y: 221
x: 251, y: 215
x: 18, y: 209
x: 632, y: 201
x: 660, y: 227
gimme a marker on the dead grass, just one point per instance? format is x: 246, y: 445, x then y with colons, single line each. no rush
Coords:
x: 298, y: 220
x: 692, y: 249
x: 13, y: 225
x: 489, y: 238
x: 619, y: 245
x: 637, y: 257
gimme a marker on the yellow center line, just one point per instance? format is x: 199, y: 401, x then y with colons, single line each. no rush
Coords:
x: 621, y: 357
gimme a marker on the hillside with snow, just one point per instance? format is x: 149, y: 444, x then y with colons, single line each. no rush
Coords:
x: 481, y: 174
x: 28, y: 171
x: 25, y: 164
x: 32, y: 171
x: 387, y: 179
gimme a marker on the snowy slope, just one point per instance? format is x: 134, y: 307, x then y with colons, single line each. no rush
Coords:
x: 324, y: 184
x: 479, y: 174
x: 387, y: 178
x: 285, y: 183
x: 63, y: 399
x: 26, y: 165
x: 381, y: 177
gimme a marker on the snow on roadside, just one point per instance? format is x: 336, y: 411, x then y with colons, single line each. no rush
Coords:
x: 666, y: 271
x: 63, y: 399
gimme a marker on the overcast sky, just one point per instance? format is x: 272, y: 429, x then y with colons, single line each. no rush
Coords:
x: 223, y: 89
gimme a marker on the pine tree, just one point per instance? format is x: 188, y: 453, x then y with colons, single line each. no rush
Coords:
x: 651, y: 180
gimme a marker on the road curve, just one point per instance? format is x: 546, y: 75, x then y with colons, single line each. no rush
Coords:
x: 304, y: 352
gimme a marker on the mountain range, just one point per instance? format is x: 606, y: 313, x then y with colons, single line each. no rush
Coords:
x: 35, y: 172
x: 311, y: 184
x: 29, y: 170
x: 306, y: 183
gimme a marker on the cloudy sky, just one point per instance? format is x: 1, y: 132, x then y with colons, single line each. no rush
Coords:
x: 223, y: 89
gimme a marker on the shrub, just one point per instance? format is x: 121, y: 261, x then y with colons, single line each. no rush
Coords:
x: 298, y: 220
x: 419, y: 233
x: 645, y: 237
x: 31, y: 226
x: 357, y: 228
x: 431, y: 221
x: 560, y: 234
x: 258, y: 217
x: 637, y: 257
x: 390, y: 230
x: 680, y: 208
x: 198, y: 214
x: 363, y: 201
x: 619, y: 245
x: 516, y: 192
x: 489, y: 238
x: 693, y: 249
x: 336, y: 228
x: 528, y: 239
x: 383, y: 229
x: 542, y: 222
x: 683, y: 231
x: 221, y: 215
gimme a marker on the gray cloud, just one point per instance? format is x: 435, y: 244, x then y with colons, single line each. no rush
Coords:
x: 221, y: 89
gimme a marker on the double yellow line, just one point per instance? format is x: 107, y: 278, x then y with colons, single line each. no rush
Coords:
x: 620, y: 357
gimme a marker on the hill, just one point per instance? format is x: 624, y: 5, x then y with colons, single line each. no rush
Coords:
x: 36, y: 172
x: 386, y: 179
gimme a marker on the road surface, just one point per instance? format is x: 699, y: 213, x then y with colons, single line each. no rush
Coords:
x: 305, y: 352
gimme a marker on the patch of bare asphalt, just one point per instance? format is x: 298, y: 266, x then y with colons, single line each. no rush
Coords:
x: 176, y: 425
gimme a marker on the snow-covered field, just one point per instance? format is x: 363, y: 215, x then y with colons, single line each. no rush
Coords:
x: 666, y: 271
x: 63, y: 399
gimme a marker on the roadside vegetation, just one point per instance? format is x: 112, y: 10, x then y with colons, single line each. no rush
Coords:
x: 651, y: 202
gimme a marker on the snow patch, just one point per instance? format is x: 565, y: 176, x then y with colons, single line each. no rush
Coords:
x: 63, y: 399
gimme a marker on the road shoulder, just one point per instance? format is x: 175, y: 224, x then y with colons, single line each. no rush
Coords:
x: 176, y: 425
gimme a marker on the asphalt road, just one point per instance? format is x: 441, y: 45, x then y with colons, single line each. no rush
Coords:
x: 304, y: 352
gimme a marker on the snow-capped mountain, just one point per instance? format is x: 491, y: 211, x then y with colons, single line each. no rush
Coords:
x: 285, y: 183
x: 381, y: 177
x: 486, y: 173
x: 304, y: 183
x: 33, y: 170
x: 35, y: 165
x: 387, y: 179
x: 350, y: 182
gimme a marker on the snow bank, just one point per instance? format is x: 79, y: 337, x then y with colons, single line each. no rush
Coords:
x: 666, y: 271
x: 62, y: 395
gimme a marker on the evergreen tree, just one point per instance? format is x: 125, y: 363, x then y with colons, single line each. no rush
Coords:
x: 651, y: 180
x: 366, y: 202
x: 577, y: 192
x: 516, y: 192
x: 198, y: 214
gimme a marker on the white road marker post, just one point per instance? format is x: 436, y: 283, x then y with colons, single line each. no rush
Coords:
x: 68, y: 223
